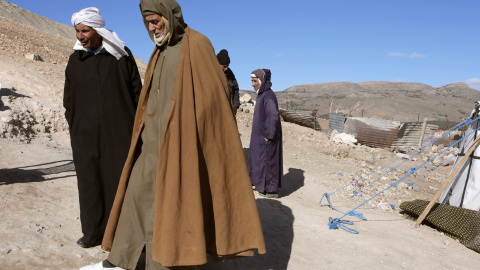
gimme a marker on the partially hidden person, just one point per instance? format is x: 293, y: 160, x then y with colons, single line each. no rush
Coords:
x: 233, y: 89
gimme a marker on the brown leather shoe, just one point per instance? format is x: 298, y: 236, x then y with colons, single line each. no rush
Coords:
x: 88, y: 241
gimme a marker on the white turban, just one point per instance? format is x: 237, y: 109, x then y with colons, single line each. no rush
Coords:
x: 91, y: 17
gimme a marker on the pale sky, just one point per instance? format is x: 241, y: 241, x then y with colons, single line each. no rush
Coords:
x: 315, y: 41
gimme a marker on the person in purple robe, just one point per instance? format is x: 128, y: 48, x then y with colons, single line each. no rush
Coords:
x: 265, y: 164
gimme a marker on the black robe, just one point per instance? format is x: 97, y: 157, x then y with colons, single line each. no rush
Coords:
x: 233, y: 89
x: 100, y: 98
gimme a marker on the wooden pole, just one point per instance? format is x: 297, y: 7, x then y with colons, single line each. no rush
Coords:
x: 449, y: 179
x: 423, y: 131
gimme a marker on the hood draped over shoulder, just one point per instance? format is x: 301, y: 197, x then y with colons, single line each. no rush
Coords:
x: 169, y: 9
x: 203, y: 196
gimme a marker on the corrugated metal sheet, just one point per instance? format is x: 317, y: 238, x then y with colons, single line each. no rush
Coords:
x: 300, y: 118
x: 410, y: 134
x: 372, y: 132
x: 336, y: 122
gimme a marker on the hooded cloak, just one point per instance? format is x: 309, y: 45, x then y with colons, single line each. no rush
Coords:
x: 265, y: 164
x: 203, y: 199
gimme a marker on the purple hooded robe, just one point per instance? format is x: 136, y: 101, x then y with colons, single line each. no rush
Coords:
x: 265, y: 164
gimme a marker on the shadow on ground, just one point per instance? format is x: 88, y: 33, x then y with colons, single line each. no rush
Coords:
x: 36, y: 173
x: 277, y: 224
x: 293, y: 180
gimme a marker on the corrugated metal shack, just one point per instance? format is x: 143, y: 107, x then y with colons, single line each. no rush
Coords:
x: 372, y: 132
x: 378, y: 132
x: 336, y: 122
x: 410, y: 134
x: 305, y: 119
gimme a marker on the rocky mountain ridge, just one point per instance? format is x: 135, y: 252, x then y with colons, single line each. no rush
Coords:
x: 400, y: 101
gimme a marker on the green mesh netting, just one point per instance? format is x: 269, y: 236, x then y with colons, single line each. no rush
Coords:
x: 459, y: 223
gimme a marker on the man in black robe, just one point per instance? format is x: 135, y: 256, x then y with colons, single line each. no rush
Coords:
x: 224, y: 61
x: 102, y: 86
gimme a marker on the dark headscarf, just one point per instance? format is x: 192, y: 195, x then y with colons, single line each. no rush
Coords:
x: 223, y: 57
x: 264, y: 75
x: 169, y: 9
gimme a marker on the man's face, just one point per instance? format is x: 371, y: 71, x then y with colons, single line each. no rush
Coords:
x: 224, y: 67
x: 88, y: 37
x: 157, y: 26
x: 255, y: 83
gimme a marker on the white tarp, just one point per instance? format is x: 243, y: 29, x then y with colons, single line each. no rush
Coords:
x: 464, y: 190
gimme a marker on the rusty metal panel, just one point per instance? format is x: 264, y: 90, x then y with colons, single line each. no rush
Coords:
x: 410, y: 133
x: 336, y: 122
x: 372, y: 132
x: 300, y: 118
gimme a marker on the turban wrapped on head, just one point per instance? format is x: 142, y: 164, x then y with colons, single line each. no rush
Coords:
x: 91, y: 17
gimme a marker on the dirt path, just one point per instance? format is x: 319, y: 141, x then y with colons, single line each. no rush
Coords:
x: 40, y: 217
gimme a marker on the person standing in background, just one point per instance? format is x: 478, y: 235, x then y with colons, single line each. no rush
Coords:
x: 233, y: 89
x: 265, y: 163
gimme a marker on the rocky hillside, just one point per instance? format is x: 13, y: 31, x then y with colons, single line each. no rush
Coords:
x: 26, y: 18
x: 386, y: 100
x: 46, y: 31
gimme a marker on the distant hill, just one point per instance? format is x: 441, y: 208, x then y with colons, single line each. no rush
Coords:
x: 401, y: 101
x: 386, y: 100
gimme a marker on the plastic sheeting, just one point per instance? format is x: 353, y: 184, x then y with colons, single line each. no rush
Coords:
x: 464, y: 190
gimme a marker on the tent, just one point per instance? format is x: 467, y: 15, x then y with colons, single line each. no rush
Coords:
x: 458, y: 211
x: 464, y: 190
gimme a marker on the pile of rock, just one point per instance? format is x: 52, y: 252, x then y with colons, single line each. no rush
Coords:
x: 247, y: 104
x: 23, y: 119
x: 34, y: 57
x: 437, y: 155
x: 343, y: 138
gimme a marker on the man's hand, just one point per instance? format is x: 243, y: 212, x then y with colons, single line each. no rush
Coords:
x: 266, y: 140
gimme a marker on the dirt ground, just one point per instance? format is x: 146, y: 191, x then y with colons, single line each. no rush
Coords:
x: 39, y: 202
x: 40, y: 215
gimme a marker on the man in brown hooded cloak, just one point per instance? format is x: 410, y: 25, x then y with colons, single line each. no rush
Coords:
x: 185, y: 190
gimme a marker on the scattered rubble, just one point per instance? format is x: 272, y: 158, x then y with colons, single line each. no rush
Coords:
x: 23, y: 118
x: 33, y: 57
x: 247, y: 104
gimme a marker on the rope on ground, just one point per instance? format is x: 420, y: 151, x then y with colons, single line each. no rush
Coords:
x: 410, y: 154
x: 339, y: 223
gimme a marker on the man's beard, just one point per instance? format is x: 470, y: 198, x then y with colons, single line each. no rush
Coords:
x: 160, y: 39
